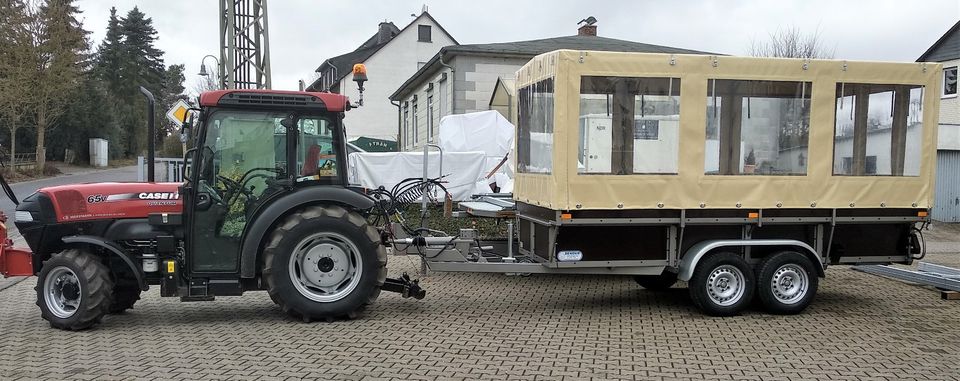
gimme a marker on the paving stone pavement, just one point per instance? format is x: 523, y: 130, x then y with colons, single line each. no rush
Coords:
x: 490, y: 326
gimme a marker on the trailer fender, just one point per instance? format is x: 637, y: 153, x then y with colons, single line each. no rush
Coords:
x: 695, y: 253
x: 112, y: 248
x: 265, y: 219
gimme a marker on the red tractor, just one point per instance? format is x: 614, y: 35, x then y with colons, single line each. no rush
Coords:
x: 264, y: 206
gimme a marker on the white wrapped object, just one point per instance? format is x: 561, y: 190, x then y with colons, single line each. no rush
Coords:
x: 375, y: 169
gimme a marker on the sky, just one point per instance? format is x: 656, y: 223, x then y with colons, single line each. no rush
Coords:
x: 303, y: 33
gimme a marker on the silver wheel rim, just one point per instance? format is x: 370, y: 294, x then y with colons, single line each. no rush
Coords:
x: 325, y: 267
x: 789, y: 283
x: 62, y: 292
x: 726, y: 285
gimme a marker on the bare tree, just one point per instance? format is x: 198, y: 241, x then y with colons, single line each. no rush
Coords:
x: 16, y: 64
x: 61, y: 51
x: 791, y: 42
x: 207, y: 82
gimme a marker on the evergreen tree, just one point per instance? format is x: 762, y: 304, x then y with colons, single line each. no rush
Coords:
x: 142, y: 65
x: 110, y: 54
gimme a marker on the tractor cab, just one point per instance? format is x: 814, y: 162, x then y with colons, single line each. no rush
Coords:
x: 252, y: 146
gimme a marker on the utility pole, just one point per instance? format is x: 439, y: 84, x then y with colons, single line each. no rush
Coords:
x: 244, y: 44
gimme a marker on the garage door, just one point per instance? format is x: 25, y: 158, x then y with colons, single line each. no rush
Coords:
x: 947, y: 198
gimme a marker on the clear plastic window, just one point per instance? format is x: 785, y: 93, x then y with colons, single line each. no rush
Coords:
x: 877, y: 130
x: 757, y: 127
x: 628, y: 125
x: 535, y: 130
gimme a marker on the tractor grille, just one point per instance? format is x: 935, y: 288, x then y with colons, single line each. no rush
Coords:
x: 265, y: 99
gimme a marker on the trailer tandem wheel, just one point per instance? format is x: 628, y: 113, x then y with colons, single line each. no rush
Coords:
x: 323, y: 263
x: 722, y: 284
x: 657, y: 282
x: 786, y: 282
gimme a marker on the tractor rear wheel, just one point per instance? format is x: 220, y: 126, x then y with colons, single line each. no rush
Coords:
x: 324, y: 263
x: 124, y: 297
x: 74, y: 290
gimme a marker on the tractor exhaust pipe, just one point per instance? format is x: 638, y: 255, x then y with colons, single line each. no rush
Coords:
x: 152, y: 131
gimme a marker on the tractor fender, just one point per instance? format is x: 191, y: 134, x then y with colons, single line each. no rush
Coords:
x: 268, y: 216
x: 113, y: 249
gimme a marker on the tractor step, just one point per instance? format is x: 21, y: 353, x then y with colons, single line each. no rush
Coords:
x: 404, y: 286
x: 199, y: 298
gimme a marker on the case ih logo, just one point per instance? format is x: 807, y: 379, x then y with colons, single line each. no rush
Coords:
x: 159, y: 196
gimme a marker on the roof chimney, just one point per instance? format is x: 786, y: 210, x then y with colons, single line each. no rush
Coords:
x: 384, y: 33
x: 589, y: 27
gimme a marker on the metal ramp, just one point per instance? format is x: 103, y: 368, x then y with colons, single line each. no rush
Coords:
x: 929, y: 274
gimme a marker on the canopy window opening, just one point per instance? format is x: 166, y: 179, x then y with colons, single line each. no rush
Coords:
x: 629, y: 125
x: 757, y: 127
x: 535, y: 130
x: 878, y: 130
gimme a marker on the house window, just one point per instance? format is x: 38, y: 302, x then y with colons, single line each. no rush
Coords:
x: 424, y: 33
x: 406, y: 125
x: 430, y: 118
x: 443, y: 98
x: 950, y: 82
x: 629, y: 125
x: 757, y: 127
x: 877, y: 130
x: 416, y: 129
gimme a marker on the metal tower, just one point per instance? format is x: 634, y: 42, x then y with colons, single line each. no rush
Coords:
x: 244, y: 44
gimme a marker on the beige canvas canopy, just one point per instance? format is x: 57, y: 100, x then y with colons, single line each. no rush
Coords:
x: 605, y: 130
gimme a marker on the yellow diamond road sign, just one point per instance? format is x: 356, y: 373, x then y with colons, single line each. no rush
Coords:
x: 178, y: 113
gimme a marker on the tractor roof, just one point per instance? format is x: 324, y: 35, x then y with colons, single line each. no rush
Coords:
x: 275, y: 98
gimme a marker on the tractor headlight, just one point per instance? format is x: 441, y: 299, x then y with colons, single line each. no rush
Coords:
x: 23, y: 216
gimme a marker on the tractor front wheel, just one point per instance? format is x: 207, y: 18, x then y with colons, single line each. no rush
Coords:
x: 74, y: 290
x: 324, y: 263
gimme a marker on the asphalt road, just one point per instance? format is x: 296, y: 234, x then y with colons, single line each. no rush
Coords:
x: 26, y: 188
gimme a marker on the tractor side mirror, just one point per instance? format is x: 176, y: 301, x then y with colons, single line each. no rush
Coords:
x: 185, y: 130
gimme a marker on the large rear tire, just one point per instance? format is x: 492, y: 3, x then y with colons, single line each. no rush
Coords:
x: 324, y: 263
x: 74, y: 290
x: 786, y: 283
x: 722, y: 284
x: 124, y: 297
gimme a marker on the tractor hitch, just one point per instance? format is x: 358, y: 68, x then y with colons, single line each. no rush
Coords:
x: 404, y: 286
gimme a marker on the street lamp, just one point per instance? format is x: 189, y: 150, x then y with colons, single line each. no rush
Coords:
x: 203, y: 69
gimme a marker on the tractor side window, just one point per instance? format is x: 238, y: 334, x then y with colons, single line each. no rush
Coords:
x: 316, y: 151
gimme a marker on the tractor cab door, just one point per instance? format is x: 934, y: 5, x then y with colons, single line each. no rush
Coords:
x: 244, y: 158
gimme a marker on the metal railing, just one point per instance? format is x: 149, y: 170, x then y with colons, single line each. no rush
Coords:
x: 19, y: 159
x: 169, y: 169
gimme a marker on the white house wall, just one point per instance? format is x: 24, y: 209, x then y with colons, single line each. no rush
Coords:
x: 948, y: 136
x: 387, y: 69
x: 476, y: 77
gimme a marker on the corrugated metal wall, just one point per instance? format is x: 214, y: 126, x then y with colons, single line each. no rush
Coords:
x: 946, y: 206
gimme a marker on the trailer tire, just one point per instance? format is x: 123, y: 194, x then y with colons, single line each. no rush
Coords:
x: 786, y: 283
x: 74, y: 290
x: 722, y: 284
x: 345, y: 255
x: 657, y: 282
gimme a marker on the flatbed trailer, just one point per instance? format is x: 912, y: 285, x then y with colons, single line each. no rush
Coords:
x: 745, y: 177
